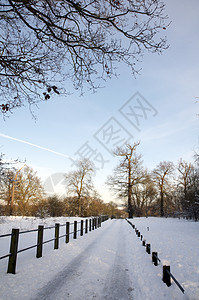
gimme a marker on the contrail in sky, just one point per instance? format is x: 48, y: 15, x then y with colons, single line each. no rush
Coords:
x: 33, y: 145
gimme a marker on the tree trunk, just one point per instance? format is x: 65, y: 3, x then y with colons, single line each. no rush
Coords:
x: 130, y: 207
x: 130, y: 211
x: 161, y: 204
x: 78, y: 205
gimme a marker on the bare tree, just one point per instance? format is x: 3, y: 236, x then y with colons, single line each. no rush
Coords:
x: 185, y: 169
x: 55, y: 206
x: 6, y: 187
x: 1, y: 166
x: 188, y: 187
x: 45, y: 42
x: 28, y: 190
x: 96, y: 207
x: 6, y: 165
x: 79, y: 182
x: 127, y: 174
x: 8, y: 169
x: 144, y: 194
x: 21, y: 189
x: 161, y: 175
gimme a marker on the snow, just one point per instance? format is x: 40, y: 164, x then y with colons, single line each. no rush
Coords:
x: 107, y: 263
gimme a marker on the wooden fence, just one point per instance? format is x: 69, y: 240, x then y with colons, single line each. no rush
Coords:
x: 166, y: 273
x: 74, y: 229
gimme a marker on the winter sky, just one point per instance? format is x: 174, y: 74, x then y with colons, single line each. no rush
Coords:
x: 168, y: 127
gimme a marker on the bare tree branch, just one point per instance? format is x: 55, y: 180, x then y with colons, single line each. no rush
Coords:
x: 43, y: 43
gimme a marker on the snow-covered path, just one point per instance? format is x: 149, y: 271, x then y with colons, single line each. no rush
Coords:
x: 108, y: 263
x: 100, y: 271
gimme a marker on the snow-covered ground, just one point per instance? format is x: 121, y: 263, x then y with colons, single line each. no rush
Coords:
x: 107, y: 263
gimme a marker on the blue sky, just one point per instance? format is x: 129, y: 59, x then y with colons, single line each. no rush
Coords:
x: 167, y: 85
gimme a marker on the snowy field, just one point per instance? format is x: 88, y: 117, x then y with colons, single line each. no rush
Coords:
x: 107, y: 263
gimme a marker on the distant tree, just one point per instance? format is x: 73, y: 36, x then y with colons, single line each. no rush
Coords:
x: 8, y: 171
x: 184, y: 180
x: 90, y: 206
x: 6, y: 189
x: 161, y: 175
x: 6, y: 165
x: 70, y: 206
x: 2, y: 168
x: 111, y: 209
x: 143, y: 194
x: 96, y: 207
x: 40, y: 209
x: 126, y: 175
x: 196, y: 158
x: 194, y: 200
x: 188, y: 186
x: 192, y: 204
x: 28, y: 190
x: 44, y: 42
x: 55, y: 206
x: 79, y: 183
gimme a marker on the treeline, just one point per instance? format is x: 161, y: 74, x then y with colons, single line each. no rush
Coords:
x: 55, y: 206
x: 167, y: 190
x: 22, y: 193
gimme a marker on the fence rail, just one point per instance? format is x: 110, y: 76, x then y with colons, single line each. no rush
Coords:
x: 167, y: 275
x: 5, y: 235
x: 94, y: 223
x: 28, y: 231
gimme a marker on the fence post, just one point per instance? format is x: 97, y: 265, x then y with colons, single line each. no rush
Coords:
x: 143, y: 243
x: 166, y: 275
x: 75, y: 230
x: 40, y: 241
x: 100, y: 221
x: 93, y: 223
x: 67, y: 231
x: 13, y: 251
x: 155, y: 258
x: 97, y: 223
x: 148, y: 248
x: 82, y: 228
x: 86, y: 226
x: 90, y: 225
x: 56, y: 243
x: 138, y: 234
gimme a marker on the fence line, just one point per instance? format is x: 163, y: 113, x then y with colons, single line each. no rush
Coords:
x: 175, y: 280
x: 5, y: 235
x: 28, y: 231
x: 95, y: 221
x: 167, y: 275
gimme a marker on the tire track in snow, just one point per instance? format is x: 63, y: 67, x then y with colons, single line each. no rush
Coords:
x: 118, y: 285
